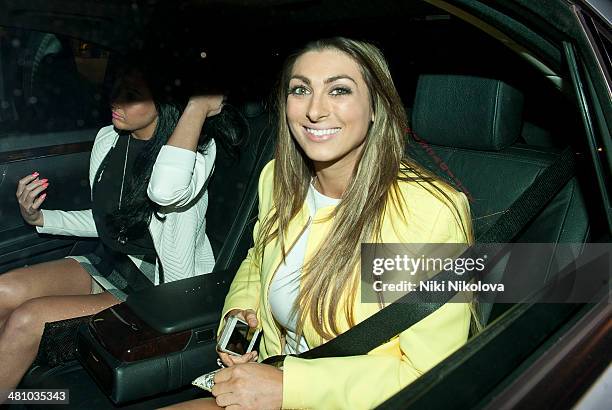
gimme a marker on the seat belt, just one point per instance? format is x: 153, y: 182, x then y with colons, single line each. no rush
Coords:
x: 416, y: 306
x: 135, y: 278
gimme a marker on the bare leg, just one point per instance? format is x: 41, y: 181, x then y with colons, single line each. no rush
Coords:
x: 197, y: 404
x: 60, y: 277
x: 36, y: 294
x: 20, y: 338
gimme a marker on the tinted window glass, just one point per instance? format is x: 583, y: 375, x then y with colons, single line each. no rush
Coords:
x: 49, y: 83
x: 607, y: 52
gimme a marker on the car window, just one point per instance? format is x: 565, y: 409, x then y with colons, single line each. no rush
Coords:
x: 605, y: 39
x: 49, y: 83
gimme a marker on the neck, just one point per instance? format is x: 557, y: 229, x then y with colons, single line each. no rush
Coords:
x: 332, y: 178
x: 145, y: 133
x: 332, y: 182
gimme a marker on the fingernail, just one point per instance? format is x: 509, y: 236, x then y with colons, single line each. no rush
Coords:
x: 43, y: 180
x: 43, y: 196
x: 35, y: 174
x: 46, y: 185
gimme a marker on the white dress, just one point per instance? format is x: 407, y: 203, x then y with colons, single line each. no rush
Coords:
x: 286, y: 282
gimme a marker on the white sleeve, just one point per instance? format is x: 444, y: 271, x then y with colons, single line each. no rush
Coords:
x: 180, y: 174
x: 72, y: 223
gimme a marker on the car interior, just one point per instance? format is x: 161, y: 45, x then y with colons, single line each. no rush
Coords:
x: 486, y: 114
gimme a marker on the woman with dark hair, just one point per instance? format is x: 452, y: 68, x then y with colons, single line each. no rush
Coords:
x: 148, y: 175
x: 340, y: 178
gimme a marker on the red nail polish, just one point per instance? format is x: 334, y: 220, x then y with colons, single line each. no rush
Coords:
x: 35, y: 174
x: 46, y: 185
x: 44, y: 180
x: 43, y: 196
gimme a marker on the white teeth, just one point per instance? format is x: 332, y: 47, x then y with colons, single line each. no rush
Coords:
x: 320, y: 133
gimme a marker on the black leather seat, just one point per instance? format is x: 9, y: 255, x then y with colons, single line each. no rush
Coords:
x: 467, y: 131
x: 232, y: 175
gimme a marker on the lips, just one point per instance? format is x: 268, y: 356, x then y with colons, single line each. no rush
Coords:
x: 117, y: 116
x: 321, y: 134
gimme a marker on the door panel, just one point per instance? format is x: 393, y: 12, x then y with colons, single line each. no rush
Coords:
x: 68, y: 189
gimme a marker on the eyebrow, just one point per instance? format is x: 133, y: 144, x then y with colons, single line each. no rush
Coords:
x: 327, y: 81
x: 340, y: 77
x: 300, y: 77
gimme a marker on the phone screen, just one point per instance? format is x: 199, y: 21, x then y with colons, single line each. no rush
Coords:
x: 240, y: 338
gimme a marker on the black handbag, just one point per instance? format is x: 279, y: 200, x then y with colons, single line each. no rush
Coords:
x: 58, y: 342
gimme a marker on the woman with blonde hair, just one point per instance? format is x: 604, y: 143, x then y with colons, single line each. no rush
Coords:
x: 340, y: 178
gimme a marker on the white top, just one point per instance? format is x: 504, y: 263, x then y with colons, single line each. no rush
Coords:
x: 285, y: 285
x: 178, y: 184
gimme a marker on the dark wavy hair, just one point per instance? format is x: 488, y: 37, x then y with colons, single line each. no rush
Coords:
x: 228, y: 128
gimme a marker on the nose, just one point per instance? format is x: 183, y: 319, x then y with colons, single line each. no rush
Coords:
x: 318, y: 108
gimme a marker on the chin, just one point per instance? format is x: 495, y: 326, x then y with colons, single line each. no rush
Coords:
x: 120, y: 125
x: 330, y: 154
x: 320, y: 154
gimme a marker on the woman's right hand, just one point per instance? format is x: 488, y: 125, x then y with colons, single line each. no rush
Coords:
x: 249, y: 316
x: 187, y: 132
x: 28, y: 190
x: 209, y: 105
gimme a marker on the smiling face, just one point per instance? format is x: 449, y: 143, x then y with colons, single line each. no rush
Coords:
x: 132, y: 106
x: 328, y: 108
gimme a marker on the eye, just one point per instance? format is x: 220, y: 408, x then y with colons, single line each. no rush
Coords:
x: 341, y: 91
x: 298, y: 90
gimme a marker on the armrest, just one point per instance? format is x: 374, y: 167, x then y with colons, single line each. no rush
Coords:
x: 183, y: 304
x: 159, y: 340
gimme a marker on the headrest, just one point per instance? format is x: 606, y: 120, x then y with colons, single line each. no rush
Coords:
x: 467, y: 112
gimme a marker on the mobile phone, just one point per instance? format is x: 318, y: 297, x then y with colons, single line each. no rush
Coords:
x: 237, y: 337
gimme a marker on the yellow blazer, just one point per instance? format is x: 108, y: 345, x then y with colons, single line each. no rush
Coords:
x: 358, y: 381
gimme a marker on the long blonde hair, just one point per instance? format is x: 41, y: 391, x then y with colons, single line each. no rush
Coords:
x: 329, y: 274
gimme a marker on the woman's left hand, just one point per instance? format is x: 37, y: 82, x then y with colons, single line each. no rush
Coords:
x: 208, y: 104
x: 249, y: 386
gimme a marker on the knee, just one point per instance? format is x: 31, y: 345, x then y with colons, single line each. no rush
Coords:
x: 12, y: 291
x: 24, y: 325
